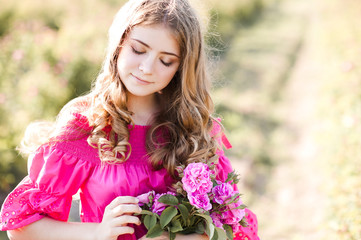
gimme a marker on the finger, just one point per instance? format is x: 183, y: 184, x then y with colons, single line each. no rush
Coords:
x: 164, y: 236
x: 122, y: 230
x: 160, y: 238
x: 125, y: 220
x: 125, y: 209
x: 122, y: 199
x: 156, y: 238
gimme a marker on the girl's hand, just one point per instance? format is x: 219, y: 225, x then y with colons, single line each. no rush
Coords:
x: 164, y: 236
x: 117, y: 216
x: 193, y: 236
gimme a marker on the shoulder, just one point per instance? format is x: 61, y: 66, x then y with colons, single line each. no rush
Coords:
x: 77, y: 152
x: 61, y: 158
x: 79, y: 121
x: 72, y: 118
x: 71, y: 141
x: 71, y: 126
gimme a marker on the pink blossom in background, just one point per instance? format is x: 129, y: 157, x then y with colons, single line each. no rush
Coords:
x: 223, y: 192
x: 159, y: 207
x: 2, y: 98
x: 33, y: 91
x: 197, y: 178
x: 200, y: 201
x: 18, y: 54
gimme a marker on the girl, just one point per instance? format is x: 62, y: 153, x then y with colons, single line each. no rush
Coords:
x: 149, y: 111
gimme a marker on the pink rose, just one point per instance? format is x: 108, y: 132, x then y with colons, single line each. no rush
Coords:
x: 236, y: 228
x: 200, y: 201
x: 232, y: 215
x: 145, y: 197
x: 158, y: 207
x: 223, y: 192
x: 196, y: 179
x: 217, y: 220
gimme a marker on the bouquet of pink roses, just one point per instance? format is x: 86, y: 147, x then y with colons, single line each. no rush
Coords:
x: 199, y: 204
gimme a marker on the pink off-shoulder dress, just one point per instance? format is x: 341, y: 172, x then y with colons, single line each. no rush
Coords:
x: 57, y: 171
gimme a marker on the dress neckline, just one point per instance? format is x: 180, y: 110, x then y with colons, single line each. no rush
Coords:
x: 84, y: 121
x: 137, y: 126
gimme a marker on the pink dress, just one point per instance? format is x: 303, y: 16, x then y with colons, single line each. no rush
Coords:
x: 58, y: 171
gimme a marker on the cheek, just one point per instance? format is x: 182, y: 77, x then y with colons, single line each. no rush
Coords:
x: 126, y: 61
x: 167, y: 77
x: 168, y: 74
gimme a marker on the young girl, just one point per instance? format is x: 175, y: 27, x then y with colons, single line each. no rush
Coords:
x: 149, y: 111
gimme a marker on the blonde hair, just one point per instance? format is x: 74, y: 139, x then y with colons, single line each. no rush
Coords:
x: 180, y: 132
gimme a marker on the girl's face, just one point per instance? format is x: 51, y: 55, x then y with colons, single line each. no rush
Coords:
x: 148, y: 59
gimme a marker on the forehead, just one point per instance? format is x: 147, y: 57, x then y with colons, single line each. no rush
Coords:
x: 157, y: 37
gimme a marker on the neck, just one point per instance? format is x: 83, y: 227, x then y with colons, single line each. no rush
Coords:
x: 143, y: 108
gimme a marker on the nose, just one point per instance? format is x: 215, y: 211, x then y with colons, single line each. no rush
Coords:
x: 147, y: 65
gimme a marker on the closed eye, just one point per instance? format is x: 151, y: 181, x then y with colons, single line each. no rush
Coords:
x: 137, y: 52
x: 167, y: 64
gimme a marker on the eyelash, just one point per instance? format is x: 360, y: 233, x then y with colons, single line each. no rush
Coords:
x: 166, y: 64
x: 139, y: 53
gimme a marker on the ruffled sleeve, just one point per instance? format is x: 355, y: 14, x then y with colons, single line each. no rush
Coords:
x: 54, y: 177
x: 223, y: 168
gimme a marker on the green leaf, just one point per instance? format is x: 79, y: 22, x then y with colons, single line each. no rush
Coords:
x: 230, y: 176
x: 184, y: 212
x: 210, y: 229
x: 146, y: 212
x: 243, y: 222
x: 214, y: 183
x: 220, y: 233
x: 229, y: 231
x: 209, y: 224
x: 191, y: 221
x: 206, y: 217
x: 172, y: 236
x: 188, y: 205
x: 150, y: 221
x: 168, y: 199
x: 233, y: 177
x: 240, y: 207
x: 200, y: 228
x: 155, y: 231
x: 167, y: 215
x: 215, y: 236
x: 234, y: 198
x: 176, y: 226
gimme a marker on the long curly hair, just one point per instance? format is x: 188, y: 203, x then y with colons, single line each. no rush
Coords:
x: 180, y: 132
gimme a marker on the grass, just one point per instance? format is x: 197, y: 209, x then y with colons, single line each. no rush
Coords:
x: 341, y: 136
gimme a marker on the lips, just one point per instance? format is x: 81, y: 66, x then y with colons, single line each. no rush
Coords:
x: 141, y: 81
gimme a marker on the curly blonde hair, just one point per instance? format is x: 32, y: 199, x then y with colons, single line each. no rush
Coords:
x: 180, y: 132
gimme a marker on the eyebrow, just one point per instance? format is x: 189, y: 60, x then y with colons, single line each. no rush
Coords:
x: 168, y: 53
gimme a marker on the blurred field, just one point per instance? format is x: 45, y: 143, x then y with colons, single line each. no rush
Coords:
x: 287, y: 84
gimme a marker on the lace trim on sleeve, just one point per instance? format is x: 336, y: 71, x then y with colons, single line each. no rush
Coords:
x: 27, y: 204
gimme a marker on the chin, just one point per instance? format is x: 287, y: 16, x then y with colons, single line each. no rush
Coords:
x: 141, y: 94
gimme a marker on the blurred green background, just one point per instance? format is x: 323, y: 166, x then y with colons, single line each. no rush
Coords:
x: 287, y: 82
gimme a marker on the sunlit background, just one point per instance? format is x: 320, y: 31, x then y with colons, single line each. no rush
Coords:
x: 287, y: 82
